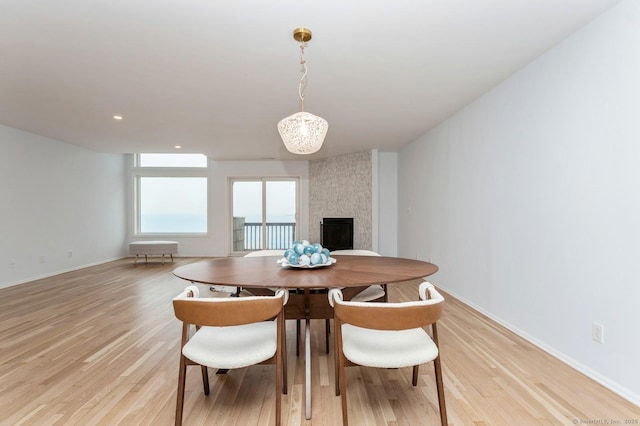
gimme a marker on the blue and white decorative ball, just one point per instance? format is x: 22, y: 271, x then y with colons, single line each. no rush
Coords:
x: 303, y: 253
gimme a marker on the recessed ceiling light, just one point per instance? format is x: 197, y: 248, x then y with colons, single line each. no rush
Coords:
x: 117, y: 117
x: 178, y: 146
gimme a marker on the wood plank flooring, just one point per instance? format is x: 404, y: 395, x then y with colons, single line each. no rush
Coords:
x: 99, y: 346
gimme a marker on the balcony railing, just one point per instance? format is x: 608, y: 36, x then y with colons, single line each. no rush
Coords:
x: 280, y: 235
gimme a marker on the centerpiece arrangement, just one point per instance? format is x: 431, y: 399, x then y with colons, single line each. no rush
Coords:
x: 304, y: 254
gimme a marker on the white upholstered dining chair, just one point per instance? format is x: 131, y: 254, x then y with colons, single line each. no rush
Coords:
x: 388, y: 335
x: 231, y: 333
x: 260, y: 253
x: 377, y: 292
x: 238, y: 291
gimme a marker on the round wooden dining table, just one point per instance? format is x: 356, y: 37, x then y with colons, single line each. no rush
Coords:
x: 353, y: 273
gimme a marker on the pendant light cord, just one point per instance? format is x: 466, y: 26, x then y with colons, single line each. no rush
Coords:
x: 303, y: 80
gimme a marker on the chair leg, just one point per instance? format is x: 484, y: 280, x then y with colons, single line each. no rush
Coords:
x: 284, y: 359
x: 414, y: 380
x: 180, y: 396
x: 297, y: 337
x: 343, y: 392
x: 440, y: 387
x: 336, y: 353
x: 327, y: 328
x: 281, y: 364
x: 279, y: 387
x: 205, y: 379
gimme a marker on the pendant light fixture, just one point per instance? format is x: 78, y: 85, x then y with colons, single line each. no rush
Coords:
x: 302, y: 132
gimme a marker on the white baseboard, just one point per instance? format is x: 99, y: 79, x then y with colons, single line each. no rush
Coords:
x: 613, y: 386
x: 63, y: 271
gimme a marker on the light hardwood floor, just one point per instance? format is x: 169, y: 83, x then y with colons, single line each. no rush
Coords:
x: 99, y: 346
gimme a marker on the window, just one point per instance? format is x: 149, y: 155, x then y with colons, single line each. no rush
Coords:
x: 172, y: 160
x: 264, y: 212
x: 171, y: 194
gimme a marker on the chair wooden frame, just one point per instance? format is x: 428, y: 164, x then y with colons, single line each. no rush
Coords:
x: 387, y: 316
x: 221, y: 312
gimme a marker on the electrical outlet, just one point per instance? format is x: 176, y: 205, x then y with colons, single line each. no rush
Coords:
x: 12, y: 263
x: 70, y: 254
x: 43, y: 259
x: 597, y: 332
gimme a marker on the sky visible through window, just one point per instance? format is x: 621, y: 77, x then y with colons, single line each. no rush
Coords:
x: 280, y: 197
x: 173, y: 204
x: 173, y: 160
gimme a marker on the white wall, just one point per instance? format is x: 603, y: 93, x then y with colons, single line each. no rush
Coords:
x: 386, y: 206
x: 57, y: 198
x: 528, y: 200
x: 216, y: 243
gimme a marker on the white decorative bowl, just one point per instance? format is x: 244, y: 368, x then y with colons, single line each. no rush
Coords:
x: 285, y: 264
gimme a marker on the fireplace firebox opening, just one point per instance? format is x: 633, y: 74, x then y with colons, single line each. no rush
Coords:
x: 337, y: 233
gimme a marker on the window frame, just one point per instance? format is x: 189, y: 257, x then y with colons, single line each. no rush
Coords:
x: 166, y: 172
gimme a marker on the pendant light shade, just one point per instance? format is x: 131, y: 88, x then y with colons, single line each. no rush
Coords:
x: 303, y: 132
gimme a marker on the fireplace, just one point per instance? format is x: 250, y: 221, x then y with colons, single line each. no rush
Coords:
x: 337, y: 233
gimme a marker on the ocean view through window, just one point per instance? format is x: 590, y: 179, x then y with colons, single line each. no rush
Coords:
x: 171, y: 194
x: 173, y: 205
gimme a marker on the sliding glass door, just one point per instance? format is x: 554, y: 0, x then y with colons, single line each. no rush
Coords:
x: 264, y: 212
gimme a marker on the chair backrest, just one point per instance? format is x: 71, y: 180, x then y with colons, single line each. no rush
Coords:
x: 191, y: 309
x: 260, y: 253
x: 390, y: 316
x: 355, y: 253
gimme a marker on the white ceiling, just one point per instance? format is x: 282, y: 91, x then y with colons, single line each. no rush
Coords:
x: 216, y: 76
